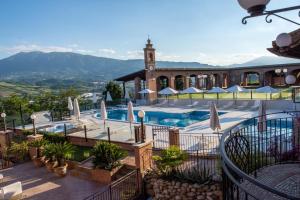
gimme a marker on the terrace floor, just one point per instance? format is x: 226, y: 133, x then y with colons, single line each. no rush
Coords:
x: 284, y: 178
x: 39, y: 184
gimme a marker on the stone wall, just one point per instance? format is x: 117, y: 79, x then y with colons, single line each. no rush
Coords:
x: 160, y: 189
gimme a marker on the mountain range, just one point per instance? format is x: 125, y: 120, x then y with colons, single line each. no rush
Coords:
x: 67, y: 65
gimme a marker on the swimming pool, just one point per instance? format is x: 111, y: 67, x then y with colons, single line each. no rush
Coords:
x: 58, y: 128
x: 161, y: 118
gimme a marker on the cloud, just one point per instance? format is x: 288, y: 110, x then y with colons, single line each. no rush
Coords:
x: 107, y: 51
x: 34, y: 47
x: 136, y: 54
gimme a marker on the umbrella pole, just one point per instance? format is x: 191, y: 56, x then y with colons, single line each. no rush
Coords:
x: 104, y: 124
x: 130, y: 131
x: 191, y: 99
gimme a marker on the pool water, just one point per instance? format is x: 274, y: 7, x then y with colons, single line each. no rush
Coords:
x: 162, y: 118
x: 58, y: 128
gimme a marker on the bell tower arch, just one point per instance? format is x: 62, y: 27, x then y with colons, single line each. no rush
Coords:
x: 149, y: 56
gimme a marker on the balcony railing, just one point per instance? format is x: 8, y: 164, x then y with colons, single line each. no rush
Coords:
x: 254, y: 146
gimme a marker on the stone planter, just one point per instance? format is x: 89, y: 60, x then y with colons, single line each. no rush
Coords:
x: 103, y: 176
x: 38, y: 162
x: 61, y: 171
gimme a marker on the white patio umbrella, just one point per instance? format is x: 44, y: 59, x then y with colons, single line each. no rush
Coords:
x: 108, y: 96
x: 267, y: 90
x: 168, y: 91
x: 214, y: 117
x: 70, y: 104
x: 217, y: 90
x: 76, y: 109
x: 146, y: 91
x: 94, y: 98
x: 130, y: 116
x: 126, y: 96
x: 261, y: 124
x: 235, y: 90
x: 190, y: 91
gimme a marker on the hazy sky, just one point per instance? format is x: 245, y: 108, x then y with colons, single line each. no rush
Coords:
x: 207, y: 31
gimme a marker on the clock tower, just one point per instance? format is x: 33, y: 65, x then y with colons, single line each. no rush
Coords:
x: 149, y: 56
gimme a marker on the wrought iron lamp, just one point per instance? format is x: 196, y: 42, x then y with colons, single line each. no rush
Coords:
x: 3, y: 115
x: 33, y: 117
x: 258, y: 8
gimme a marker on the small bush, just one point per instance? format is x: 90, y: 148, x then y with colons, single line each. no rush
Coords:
x: 107, y: 156
x: 194, y: 175
x: 55, y: 138
x: 49, y: 151
x: 19, y: 151
x: 62, y: 152
x: 39, y: 144
x: 170, y: 159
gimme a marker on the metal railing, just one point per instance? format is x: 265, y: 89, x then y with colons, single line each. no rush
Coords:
x: 126, y: 188
x: 254, y: 145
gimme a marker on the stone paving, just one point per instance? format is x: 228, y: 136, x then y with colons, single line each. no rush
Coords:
x: 39, y: 184
x: 284, y: 178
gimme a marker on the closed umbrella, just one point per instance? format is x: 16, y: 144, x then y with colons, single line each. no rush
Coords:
x: 108, y: 96
x: 76, y: 109
x: 70, y: 104
x: 261, y: 124
x: 214, y: 117
x: 103, y: 113
x: 146, y: 91
x: 130, y: 116
x: 168, y: 91
x: 190, y: 91
x: 94, y: 98
x: 267, y: 90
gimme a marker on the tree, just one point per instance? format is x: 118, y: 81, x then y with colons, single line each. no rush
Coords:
x: 114, y: 89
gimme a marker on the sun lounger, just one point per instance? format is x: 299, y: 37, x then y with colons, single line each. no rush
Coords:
x: 195, y: 103
x: 229, y: 105
x: 163, y: 103
x: 12, y: 191
x: 244, y: 105
x: 255, y: 106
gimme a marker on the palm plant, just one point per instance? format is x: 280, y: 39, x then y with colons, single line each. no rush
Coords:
x: 107, y: 156
x: 39, y: 144
x: 62, y: 152
x: 19, y: 150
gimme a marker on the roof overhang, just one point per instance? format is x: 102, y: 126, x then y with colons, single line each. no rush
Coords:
x: 130, y: 77
x: 293, y: 51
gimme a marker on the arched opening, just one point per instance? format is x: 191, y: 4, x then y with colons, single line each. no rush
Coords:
x: 151, y: 57
x: 202, y: 81
x: 179, y: 82
x: 251, y: 79
x: 193, y: 81
x: 296, y: 73
x: 274, y: 79
x: 162, y: 82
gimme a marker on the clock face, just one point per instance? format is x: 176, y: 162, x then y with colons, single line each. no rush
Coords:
x: 151, y: 67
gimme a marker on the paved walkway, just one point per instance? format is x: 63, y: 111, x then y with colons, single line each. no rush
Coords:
x: 39, y: 184
x: 284, y: 178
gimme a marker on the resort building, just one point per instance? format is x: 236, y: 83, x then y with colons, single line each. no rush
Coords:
x: 156, y: 79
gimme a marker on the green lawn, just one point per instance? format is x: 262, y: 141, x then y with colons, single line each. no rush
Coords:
x: 81, y: 153
x: 285, y: 94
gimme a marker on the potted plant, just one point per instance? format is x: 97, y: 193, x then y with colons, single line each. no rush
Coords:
x: 18, y: 152
x: 37, y: 146
x: 106, y: 160
x: 62, y: 152
x: 49, y: 161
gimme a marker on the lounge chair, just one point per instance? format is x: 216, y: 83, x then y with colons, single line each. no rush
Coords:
x: 163, y: 103
x: 255, y: 106
x: 12, y: 191
x: 195, y: 103
x: 229, y: 105
x: 244, y: 105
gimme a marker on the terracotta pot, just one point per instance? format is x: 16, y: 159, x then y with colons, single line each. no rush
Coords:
x: 49, y: 166
x: 37, y: 162
x: 61, y: 171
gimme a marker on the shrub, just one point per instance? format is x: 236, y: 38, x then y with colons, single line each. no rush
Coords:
x: 19, y: 150
x: 38, y: 144
x: 55, y: 138
x: 107, y: 156
x: 62, y: 151
x: 49, y: 150
x: 170, y: 159
x: 194, y: 175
